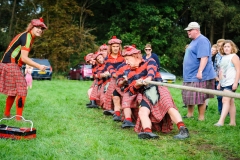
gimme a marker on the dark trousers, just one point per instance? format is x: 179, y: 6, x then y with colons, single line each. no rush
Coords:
x: 219, y: 98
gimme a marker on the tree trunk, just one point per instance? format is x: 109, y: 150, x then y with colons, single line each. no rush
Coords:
x: 11, y: 21
x: 224, y: 27
x: 211, y: 32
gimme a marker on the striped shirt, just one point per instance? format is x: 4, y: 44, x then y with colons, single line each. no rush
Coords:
x: 22, y: 41
x: 146, y: 69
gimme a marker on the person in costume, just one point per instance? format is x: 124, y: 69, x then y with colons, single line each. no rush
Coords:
x: 114, y: 59
x: 12, y: 80
x: 157, y: 109
x: 104, y: 49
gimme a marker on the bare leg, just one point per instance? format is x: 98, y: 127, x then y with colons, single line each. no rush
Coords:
x: 175, y: 115
x: 116, y: 102
x: 201, y: 111
x: 144, y: 117
x: 225, y: 109
x: 232, y: 112
x: 127, y: 112
x: 89, y: 92
x: 190, y: 110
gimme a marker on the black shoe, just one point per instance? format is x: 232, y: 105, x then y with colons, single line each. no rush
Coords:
x: 183, y: 133
x: 108, y: 112
x: 116, y: 118
x: 92, y: 105
x: 147, y: 135
x: 88, y: 103
x: 127, y: 124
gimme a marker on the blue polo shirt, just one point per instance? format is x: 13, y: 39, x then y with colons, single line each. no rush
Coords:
x: 198, y: 48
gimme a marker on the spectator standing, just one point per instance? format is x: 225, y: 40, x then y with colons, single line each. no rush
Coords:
x: 149, y: 54
x: 197, y: 71
x: 216, y: 66
x: 229, y: 74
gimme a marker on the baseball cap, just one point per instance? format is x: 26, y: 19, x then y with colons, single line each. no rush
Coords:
x: 192, y: 25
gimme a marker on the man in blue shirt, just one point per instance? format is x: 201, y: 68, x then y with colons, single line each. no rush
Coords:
x: 198, y: 70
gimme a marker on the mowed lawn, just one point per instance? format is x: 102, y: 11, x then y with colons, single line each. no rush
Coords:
x: 66, y: 129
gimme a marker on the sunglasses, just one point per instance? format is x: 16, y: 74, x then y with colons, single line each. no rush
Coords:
x: 148, y: 49
x: 38, y: 27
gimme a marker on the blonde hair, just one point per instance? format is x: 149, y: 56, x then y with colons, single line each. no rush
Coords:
x: 29, y: 27
x: 214, y: 46
x: 220, y: 41
x: 233, y: 45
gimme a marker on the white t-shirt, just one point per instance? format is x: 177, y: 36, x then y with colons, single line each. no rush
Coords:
x: 227, y: 72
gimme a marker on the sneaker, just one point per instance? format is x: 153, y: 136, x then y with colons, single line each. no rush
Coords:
x: 116, y: 118
x: 183, y: 133
x: 147, y: 135
x: 108, y: 112
x: 127, y: 124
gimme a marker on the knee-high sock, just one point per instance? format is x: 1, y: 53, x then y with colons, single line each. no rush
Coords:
x: 9, y: 103
x: 20, y: 101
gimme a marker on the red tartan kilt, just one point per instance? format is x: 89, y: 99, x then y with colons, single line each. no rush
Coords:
x: 108, y: 104
x: 12, y: 81
x: 95, y: 81
x: 94, y: 93
x: 131, y: 101
x: 161, y: 121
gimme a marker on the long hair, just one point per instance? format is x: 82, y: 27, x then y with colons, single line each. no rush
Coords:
x: 29, y: 27
x: 233, y: 45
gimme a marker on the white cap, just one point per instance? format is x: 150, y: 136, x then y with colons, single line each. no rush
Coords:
x: 192, y: 25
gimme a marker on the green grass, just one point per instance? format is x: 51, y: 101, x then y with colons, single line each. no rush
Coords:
x: 66, y: 129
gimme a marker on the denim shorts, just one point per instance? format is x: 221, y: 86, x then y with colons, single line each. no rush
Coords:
x: 227, y: 88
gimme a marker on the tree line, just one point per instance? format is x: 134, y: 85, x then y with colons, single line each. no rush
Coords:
x: 79, y: 27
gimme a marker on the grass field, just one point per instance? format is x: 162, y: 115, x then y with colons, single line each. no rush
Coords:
x: 66, y: 129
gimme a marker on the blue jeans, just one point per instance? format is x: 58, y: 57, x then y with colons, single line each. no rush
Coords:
x: 219, y: 98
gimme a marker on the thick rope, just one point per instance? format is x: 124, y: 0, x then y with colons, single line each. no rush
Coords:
x: 207, y: 91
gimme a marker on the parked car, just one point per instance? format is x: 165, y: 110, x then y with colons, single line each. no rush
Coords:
x: 37, y: 74
x: 81, y: 72
x: 167, y: 77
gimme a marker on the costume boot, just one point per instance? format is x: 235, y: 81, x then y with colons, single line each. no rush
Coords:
x: 88, y: 103
x: 183, y: 133
x: 93, y: 104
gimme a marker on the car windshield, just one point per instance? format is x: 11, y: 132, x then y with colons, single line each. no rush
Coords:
x: 163, y: 70
x: 88, y: 66
x: 41, y: 61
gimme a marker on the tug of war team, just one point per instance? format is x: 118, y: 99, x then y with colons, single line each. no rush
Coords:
x: 121, y: 76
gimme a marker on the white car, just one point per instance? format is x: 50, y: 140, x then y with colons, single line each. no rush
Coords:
x: 167, y: 77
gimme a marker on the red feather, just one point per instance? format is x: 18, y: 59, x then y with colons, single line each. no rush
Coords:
x: 41, y: 19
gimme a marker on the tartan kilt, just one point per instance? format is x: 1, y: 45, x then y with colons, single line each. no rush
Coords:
x: 108, y: 104
x: 93, y: 84
x: 12, y: 81
x: 131, y: 101
x: 161, y: 121
x: 193, y: 98
x: 94, y: 93
x: 102, y: 95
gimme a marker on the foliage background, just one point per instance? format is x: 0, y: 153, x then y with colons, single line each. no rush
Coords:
x: 76, y: 28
